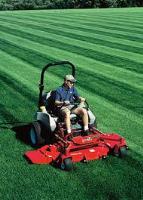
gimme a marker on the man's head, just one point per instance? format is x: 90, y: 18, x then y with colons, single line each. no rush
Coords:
x: 69, y: 80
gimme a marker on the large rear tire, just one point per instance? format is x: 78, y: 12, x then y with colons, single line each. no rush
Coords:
x: 35, y: 137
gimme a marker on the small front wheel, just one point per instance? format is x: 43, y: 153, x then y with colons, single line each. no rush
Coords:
x: 67, y: 164
x: 123, y: 152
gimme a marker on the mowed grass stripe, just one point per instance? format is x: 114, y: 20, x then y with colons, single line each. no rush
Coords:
x: 66, y: 40
x: 137, y: 67
x: 124, y: 19
x: 42, y: 39
x: 57, y: 24
x: 95, y: 31
x: 92, y: 15
x: 134, y: 17
x: 22, y: 86
x: 14, y: 92
x: 106, y: 20
x: 99, y: 21
x: 37, y: 39
x: 96, y: 21
x: 112, y: 20
x: 29, y: 70
x: 84, y: 72
x: 113, y: 91
x: 110, y: 41
x: 137, y: 79
x: 11, y: 106
x: 101, y: 68
x: 114, y: 26
x: 109, y: 24
x: 105, y: 31
x: 112, y: 97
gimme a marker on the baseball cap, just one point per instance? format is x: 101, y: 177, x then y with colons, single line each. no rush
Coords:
x: 70, y: 78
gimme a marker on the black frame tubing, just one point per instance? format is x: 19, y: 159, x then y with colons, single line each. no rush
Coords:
x: 41, y: 85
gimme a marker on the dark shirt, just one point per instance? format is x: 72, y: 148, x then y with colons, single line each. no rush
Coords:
x: 66, y: 94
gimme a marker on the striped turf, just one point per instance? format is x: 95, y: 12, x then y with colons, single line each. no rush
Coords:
x: 106, y: 46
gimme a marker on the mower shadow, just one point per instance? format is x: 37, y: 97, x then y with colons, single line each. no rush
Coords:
x: 22, y: 133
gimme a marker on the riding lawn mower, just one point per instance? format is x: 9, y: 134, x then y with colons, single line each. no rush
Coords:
x: 60, y: 149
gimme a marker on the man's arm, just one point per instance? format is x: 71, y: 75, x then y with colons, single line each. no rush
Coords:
x: 78, y: 97
x: 58, y: 101
x: 81, y: 99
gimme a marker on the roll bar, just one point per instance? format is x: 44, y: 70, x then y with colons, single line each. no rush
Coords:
x: 41, y: 84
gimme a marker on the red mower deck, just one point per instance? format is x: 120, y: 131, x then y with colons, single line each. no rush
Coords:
x: 97, y: 145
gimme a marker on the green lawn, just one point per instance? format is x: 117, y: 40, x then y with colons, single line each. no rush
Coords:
x: 107, y: 48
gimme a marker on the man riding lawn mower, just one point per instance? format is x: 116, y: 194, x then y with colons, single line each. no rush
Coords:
x: 65, y: 117
x: 65, y: 98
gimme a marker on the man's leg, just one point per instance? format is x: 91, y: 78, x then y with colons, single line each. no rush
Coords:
x: 66, y: 114
x: 83, y: 113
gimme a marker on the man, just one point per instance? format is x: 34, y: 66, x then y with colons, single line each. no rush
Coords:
x: 65, y: 96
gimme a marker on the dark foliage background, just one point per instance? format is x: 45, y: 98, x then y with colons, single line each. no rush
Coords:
x: 59, y: 4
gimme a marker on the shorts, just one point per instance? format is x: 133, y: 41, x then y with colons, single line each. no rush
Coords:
x: 70, y: 108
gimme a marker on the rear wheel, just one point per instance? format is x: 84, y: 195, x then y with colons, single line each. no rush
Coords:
x: 67, y: 164
x: 35, y: 134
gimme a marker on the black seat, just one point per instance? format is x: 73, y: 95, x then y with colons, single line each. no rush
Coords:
x: 48, y: 99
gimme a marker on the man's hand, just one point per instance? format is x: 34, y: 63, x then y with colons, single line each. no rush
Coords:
x: 81, y: 105
x: 43, y: 109
x: 82, y: 100
x: 66, y: 103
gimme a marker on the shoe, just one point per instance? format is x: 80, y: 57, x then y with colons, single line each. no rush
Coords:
x: 85, y: 133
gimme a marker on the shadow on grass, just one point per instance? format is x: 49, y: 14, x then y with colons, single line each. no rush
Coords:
x: 21, y: 132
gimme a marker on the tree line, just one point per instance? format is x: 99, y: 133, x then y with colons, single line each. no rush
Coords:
x: 63, y: 4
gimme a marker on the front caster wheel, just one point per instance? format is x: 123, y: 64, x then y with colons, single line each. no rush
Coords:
x: 123, y: 152
x: 67, y: 164
x: 120, y: 152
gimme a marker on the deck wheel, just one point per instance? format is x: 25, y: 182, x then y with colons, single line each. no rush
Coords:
x: 123, y: 152
x: 67, y: 164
